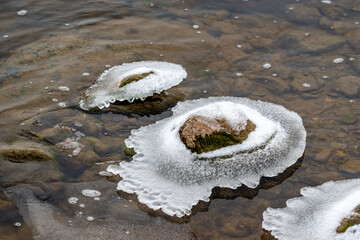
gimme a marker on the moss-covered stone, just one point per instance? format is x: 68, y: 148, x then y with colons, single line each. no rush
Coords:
x: 26, y: 152
x: 129, y: 152
x: 134, y: 78
x: 349, y: 221
x: 203, y: 134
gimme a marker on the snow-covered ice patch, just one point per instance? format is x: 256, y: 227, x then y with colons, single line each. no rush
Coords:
x: 73, y: 200
x: 166, y: 175
x: 160, y: 76
x: 267, y: 65
x: 317, y: 214
x: 21, y: 12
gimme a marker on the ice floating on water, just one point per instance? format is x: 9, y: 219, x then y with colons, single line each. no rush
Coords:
x: 317, y: 214
x: 338, y: 60
x: 91, y: 193
x: 64, y: 88
x: 158, y: 76
x: 307, y: 85
x: 73, y: 200
x: 21, y: 12
x: 267, y: 65
x: 166, y: 175
x: 326, y: 1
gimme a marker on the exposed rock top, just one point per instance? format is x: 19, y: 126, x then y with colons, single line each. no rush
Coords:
x: 25, y: 152
x: 202, y: 134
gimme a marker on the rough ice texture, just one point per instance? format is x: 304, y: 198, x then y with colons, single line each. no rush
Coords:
x: 166, y: 175
x: 106, y: 89
x: 317, y: 214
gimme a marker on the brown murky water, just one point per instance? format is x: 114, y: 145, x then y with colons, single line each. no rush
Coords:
x: 69, y: 43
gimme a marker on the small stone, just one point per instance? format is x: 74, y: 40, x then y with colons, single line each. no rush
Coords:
x: 323, y: 154
x: 348, y: 86
x: 129, y: 152
x: 349, y: 119
x: 352, y: 166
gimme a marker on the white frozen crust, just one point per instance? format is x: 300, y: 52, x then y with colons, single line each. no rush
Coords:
x: 165, y: 174
x: 106, y: 89
x: 316, y: 214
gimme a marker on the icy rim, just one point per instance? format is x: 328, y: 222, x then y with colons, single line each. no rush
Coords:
x: 166, y: 175
x: 316, y: 214
x: 106, y: 90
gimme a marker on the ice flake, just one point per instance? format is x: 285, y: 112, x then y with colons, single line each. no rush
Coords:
x: 326, y: 1
x: 267, y: 65
x: 166, y: 175
x: 307, y: 85
x: 317, y: 214
x: 338, y: 60
x: 163, y: 75
x: 64, y: 88
x: 73, y: 200
x: 196, y: 26
x: 90, y: 193
x: 21, y: 12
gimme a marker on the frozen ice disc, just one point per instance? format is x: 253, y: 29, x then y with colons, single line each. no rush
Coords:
x: 161, y: 76
x: 166, y: 175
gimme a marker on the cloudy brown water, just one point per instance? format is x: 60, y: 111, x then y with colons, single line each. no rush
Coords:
x: 314, y: 52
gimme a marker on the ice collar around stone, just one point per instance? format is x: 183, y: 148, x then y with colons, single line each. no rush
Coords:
x: 319, y: 214
x: 131, y: 81
x: 166, y: 175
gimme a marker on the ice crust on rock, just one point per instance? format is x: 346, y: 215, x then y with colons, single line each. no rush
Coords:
x: 106, y: 90
x: 166, y: 175
x: 317, y: 214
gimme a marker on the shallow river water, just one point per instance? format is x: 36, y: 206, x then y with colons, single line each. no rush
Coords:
x: 304, y: 55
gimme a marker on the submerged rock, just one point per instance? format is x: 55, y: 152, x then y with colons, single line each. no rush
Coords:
x: 166, y: 175
x: 323, y: 212
x: 131, y: 81
x: 26, y: 152
x: 203, y: 134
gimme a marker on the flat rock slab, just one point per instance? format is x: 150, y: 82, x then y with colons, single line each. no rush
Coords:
x: 26, y: 152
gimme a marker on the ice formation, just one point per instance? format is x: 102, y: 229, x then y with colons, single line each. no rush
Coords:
x: 166, y: 175
x: 317, y: 214
x: 157, y: 77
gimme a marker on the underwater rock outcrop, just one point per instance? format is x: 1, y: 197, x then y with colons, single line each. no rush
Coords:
x: 131, y: 81
x: 166, y: 175
x: 328, y: 211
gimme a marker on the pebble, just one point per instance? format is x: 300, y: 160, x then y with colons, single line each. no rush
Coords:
x: 22, y: 12
x: 322, y: 155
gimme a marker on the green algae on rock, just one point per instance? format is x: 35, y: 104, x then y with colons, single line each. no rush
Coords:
x: 26, y: 152
x: 349, y: 221
x: 203, y: 134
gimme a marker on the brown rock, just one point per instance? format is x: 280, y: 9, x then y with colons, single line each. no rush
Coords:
x: 324, y: 154
x: 25, y: 152
x: 203, y: 134
x: 348, y: 86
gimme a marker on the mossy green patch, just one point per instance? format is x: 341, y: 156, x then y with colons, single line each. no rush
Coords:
x: 129, y: 152
x: 348, y: 222
x: 214, y: 141
x: 134, y: 78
